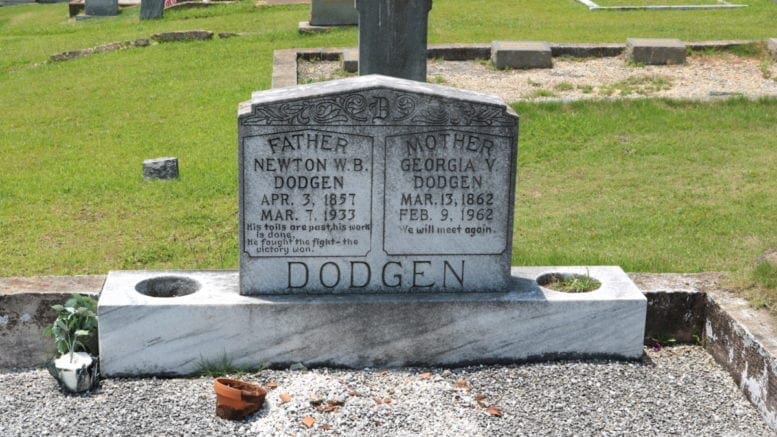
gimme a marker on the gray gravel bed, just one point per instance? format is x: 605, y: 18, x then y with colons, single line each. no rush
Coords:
x: 677, y: 390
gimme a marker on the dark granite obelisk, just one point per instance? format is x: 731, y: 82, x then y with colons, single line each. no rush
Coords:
x: 392, y: 37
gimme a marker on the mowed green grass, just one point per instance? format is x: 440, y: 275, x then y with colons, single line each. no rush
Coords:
x: 649, y: 185
x: 660, y: 2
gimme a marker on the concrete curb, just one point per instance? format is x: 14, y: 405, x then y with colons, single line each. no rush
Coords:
x: 25, y: 309
x: 740, y: 339
x: 285, y: 60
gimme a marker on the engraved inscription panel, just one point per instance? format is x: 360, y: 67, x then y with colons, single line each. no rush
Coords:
x: 375, y: 185
x: 446, y: 193
x: 307, y: 193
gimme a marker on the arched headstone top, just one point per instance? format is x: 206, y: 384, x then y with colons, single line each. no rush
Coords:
x: 375, y: 100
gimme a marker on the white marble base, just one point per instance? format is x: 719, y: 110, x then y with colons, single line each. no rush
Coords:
x: 141, y: 335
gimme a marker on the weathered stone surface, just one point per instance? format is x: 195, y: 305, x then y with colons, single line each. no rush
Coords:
x: 459, y: 52
x: 160, y: 168
x: 333, y: 13
x: 521, y: 54
x: 66, y: 56
x: 110, y: 47
x: 375, y: 185
x: 102, y: 7
x: 350, y: 60
x: 306, y: 28
x: 25, y: 309
x: 146, y: 335
x: 771, y: 46
x: 658, y: 51
x: 75, y: 6
x: 392, y: 37
x: 744, y: 342
x: 284, y: 68
x: 587, y: 50
x: 186, y: 35
x: 152, y: 9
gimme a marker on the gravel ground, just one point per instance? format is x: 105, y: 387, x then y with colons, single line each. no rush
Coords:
x: 704, y: 77
x: 677, y: 390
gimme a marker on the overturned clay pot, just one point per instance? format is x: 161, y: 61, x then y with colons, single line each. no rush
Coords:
x: 237, y: 399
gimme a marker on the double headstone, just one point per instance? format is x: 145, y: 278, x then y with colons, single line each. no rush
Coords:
x: 375, y: 230
x: 375, y: 185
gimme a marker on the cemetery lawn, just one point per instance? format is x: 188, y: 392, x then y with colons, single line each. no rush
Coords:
x: 651, y: 185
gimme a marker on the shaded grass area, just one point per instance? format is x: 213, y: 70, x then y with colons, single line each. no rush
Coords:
x: 649, y: 185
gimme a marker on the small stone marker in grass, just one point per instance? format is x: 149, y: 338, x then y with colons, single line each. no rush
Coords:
x: 160, y: 168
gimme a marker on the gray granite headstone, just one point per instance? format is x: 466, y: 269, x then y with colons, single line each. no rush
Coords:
x: 333, y: 13
x: 375, y: 185
x: 152, y: 9
x: 392, y: 37
x: 101, y: 7
x: 160, y: 168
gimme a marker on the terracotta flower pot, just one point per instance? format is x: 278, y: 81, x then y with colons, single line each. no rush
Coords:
x: 237, y: 399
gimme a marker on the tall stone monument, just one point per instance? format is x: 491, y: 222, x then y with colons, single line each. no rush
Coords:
x: 392, y: 37
x: 376, y: 185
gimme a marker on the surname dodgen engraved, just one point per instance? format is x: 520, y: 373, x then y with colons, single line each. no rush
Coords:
x: 313, y: 194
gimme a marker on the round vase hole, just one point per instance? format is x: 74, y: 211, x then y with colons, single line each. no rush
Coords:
x: 167, y: 286
x: 568, y: 282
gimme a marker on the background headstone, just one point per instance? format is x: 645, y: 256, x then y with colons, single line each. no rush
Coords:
x: 375, y: 184
x: 151, y: 9
x: 392, y: 37
x: 102, y: 7
x: 333, y: 13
